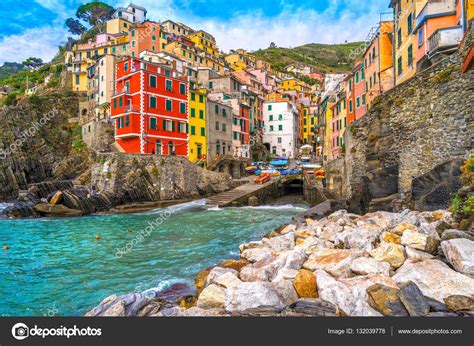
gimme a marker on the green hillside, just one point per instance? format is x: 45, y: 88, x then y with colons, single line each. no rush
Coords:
x: 326, y: 58
x: 10, y: 68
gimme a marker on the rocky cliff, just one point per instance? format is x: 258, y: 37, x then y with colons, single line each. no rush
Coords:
x: 409, y: 147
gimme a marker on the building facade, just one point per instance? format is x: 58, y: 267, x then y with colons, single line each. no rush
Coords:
x: 219, y: 129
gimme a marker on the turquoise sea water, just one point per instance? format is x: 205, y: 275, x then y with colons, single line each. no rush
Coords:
x: 57, y: 267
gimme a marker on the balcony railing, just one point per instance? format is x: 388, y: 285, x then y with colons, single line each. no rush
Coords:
x: 445, y: 38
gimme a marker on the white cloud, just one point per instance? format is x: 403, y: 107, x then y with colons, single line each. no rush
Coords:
x: 38, y: 42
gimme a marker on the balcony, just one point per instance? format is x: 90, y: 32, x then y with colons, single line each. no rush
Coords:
x: 433, y: 9
x: 444, y: 39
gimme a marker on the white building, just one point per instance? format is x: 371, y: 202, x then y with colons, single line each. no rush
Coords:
x: 132, y: 13
x: 281, y: 128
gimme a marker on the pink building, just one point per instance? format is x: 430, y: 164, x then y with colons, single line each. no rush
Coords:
x: 359, y: 90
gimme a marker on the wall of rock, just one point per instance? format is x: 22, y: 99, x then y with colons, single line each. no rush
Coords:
x: 419, y: 130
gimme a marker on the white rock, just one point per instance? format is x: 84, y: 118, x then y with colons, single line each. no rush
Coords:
x: 362, y: 237
x: 228, y: 280
x: 368, y: 265
x: 337, y: 262
x: 281, y: 243
x: 350, y: 294
x: 460, y: 253
x: 212, y: 297
x: 251, y: 245
x: 257, y: 254
x: 286, y: 291
x: 288, y: 229
x: 415, y: 255
x: 435, y: 279
x: 216, y: 272
x: 285, y: 274
x: 250, y: 295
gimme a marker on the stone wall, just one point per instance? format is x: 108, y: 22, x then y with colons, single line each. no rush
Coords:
x: 423, y: 123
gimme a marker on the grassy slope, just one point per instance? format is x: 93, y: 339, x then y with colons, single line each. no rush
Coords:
x: 325, y: 58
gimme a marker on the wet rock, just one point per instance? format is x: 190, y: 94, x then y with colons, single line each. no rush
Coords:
x: 201, y: 279
x: 51, y: 210
x: 413, y: 299
x: 459, y: 302
x: 250, y: 295
x: 368, y: 265
x: 385, y: 300
x: 305, y: 284
x: 393, y: 254
x: 233, y: 264
x: 120, y: 306
x: 281, y: 243
x: 312, y: 307
x: 212, y: 297
x: 460, y: 253
x: 350, y: 295
x: 420, y: 241
x: 253, y: 201
x: 176, y: 292
x: 435, y: 279
x: 336, y: 262
x: 415, y: 255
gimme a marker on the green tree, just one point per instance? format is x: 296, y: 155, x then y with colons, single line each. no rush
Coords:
x: 95, y: 12
x: 33, y: 63
x: 75, y: 26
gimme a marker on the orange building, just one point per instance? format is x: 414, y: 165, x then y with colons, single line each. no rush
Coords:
x: 378, y: 60
x: 437, y: 31
x: 146, y: 36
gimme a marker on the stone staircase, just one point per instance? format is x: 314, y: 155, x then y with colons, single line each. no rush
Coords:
x: 227, y: 198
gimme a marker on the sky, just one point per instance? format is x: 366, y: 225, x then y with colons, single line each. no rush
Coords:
x: 36, y: 27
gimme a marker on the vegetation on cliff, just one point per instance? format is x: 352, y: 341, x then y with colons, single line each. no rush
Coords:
x: 462, y: 206
x: 326, y: 58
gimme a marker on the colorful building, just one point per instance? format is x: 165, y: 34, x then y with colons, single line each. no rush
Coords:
x: 197, y: 120
x: 405, y: 13
x: 150, y: 108
x: 359, y: 90
x: 118, y: 26
x: 350, y: 98
x: 205, y: 42
x: 176, y: 29
x: 219, y: 129
x: 437, y: 32
x: 146, y: 36
x: 378, y: 61
x: 132, y: 13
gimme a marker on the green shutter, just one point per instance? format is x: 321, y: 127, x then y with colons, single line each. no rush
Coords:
x: 153, y: 123
x: 169, y: 105
x: 201, y: 114
x: 182, y: 89
x: 203, y: 131
x: 172, y: 126
x: 193, y: 96
x: 164, y: 125
x: 193, y: 130
x: 193, y: 113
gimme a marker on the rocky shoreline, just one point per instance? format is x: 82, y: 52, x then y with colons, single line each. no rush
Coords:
x: 380, y: 264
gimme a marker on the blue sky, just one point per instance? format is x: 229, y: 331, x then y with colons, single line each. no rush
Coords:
x: 36, y: 27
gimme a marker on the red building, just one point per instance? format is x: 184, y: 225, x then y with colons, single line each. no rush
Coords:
x: 149, y: 108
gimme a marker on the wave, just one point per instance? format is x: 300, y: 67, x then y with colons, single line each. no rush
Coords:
x: 180, y: 208
x: 4, y: 206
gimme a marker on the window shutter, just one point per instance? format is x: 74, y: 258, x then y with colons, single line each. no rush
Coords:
x: 164, y: 125
x: 172, y: 126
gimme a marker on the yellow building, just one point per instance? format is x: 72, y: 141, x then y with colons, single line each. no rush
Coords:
x: 84, y: 55
x: 118, y: 26
x: 309, y: 124
x: 294, y: 84
x: 194, y: 56
x: 405, y: 43
x: 197, y: 125
x: 239, y: 60
x: 205, y: 42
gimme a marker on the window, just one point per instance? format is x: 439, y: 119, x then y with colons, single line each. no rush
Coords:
x: 203, y: 131
x: 280, y: 117
x: 193, y: 130
x: 363, y: 99
x: 280, y: 127
x: 169, y: 105
x: 217, y: 125
x: 201, y: 99
x: 350, y: 106
x: 210, y: 85
x: 357, y: 102
x: 125, y: 67
x: 152, y: 102
x: 362, y: 72
x: 153, y: 123
x: 269, y: 107
x: 279, y: 140
x: 399, y: 38
x: 420, y: 37
x: 400, y: 66
x: 182, y: 89
x: 193, y: 97
x: 410, y: 54
x: 167, y: 73
x: 153, y: 38
x: 357, y: 77
x: 271, y: 117
x: 182, y: 108
x: 216, y: 109
x: 271, y: 128
x: 193, y: 113
x: 169, y: 85
x: 133, y: 33
x: 201, y: 114
x: 224, y: 127
x: 115, y: 101
x: 120, y: 101
x: 152, y: 81
x: 410, y: 23
x: 224, y: 112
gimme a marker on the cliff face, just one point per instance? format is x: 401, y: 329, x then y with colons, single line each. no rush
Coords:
x: 35, y: 137
x: 408, y: 148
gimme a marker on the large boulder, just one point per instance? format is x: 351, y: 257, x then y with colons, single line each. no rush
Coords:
x: 281, y: 243
x: 435, y: 279
x: 313, y: 307
x: 460, y: 253
x: 420, y: 241
x: 52, y: 210
x: 305, y: 284
x: 368, y: 265
x: 212, y: 297
x: 413, y: 299
x: 362, y: 237
x: 120, y: 305
x: 385, y: 300
x: 249, y: 295
x: 350, y: 295
x: 337, y: 262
